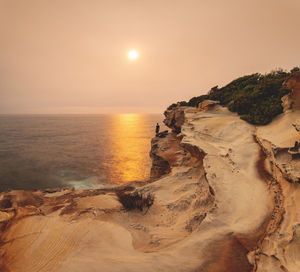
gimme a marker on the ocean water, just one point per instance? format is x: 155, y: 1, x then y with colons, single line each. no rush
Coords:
x: 83, y: 151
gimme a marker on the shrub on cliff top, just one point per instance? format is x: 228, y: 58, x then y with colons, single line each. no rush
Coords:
x: 136, y: 200
x: 256, y: 98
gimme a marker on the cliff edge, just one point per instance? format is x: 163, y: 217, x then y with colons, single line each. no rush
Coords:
x: 224, y: 197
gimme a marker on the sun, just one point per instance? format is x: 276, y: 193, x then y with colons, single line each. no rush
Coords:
x: 133, y: 54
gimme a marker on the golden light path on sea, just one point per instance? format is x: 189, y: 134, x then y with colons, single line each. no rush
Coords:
x: 129, y: 154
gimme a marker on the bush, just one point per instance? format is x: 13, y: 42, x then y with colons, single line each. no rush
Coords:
x: 136, y: 200
x: 256, y: 98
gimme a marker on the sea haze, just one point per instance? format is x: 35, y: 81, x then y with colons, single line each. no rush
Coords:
x: 83, y: 151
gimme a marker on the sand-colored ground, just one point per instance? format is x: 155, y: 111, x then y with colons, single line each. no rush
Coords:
x: 280, y: 250
x: 215, y: 211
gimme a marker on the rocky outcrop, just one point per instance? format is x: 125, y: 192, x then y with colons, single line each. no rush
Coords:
x: 278, y: 250
x: 168, y: 152
x: 292, y: 100
x: 160, y: 167
x: 207, y: 104
x: 225, y: 197
x: 70, y: 230
x: 277, y: 165
x: 287, y: 102
x: 174, y: 119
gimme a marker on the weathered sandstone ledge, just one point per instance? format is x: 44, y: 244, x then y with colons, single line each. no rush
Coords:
x: 226, y: 198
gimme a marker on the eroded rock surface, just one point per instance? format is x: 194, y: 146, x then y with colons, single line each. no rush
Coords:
x: 292, y: 100
x: 225, y: 199
x: 296, y: 124
x: 279, y: 249
x: 207, y: 104
x: 174, y: 119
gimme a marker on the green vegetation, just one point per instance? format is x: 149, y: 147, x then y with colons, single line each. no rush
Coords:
x: 256, y: 98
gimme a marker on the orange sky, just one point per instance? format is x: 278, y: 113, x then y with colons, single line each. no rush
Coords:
x: 70, y: 56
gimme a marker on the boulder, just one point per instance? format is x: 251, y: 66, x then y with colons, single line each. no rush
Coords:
x: 207, y: 104
x: 174, y: 119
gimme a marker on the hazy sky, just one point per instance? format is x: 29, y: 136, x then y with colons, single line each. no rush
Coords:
x: 70, y: 56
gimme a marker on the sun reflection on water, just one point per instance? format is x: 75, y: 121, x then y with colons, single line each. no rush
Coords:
x: 129, y: 147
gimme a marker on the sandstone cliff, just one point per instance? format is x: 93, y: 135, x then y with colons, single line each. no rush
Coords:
x: 292, y: 100
x: 226, y: 197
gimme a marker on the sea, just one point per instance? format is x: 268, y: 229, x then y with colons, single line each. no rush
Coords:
x: 80, y: 151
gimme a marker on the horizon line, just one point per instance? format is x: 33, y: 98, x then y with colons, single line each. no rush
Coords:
x: 120, y: 113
